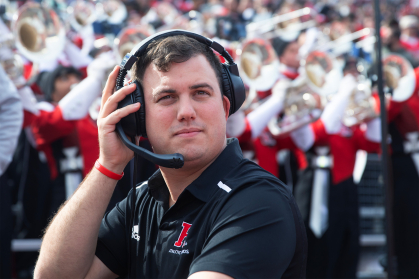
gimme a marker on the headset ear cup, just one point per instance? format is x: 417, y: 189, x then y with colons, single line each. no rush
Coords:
x: 140, y: 114
x: 233, y: 87
x: 129, y: 122
x: 227, y: 89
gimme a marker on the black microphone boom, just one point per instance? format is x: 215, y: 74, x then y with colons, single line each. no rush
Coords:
x: 165, y: 160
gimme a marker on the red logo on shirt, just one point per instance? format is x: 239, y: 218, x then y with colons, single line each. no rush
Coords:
x: 183, y: 234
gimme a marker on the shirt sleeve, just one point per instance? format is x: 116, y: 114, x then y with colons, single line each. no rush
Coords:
x: 112, y: 244
x: 11, y: 118
x: 50, y: 126
x: 253, y: 235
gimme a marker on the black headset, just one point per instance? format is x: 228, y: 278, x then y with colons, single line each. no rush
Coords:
x: 134, y: 124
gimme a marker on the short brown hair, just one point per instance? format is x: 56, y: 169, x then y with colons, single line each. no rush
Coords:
x: 175, y: 49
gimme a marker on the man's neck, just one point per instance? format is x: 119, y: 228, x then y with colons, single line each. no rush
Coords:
x: 178, y: 179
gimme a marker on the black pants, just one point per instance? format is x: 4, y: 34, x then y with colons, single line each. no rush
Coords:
x: 406, y: 216
x: 336, y: 253
x: 6, y: 228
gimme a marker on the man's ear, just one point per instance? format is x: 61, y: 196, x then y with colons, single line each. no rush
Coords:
x: 226, y: 106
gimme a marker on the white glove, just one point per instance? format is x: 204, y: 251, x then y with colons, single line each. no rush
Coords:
x: 102, y: 65
x: 88, y: 36
x: 373, y: 132
x: 75, y: 105
x: 236, y: 124
x: 333, y: 113
x: 303, y: 137
x: 259, y: 118
x: 75, y: 56
x: 28, y: 100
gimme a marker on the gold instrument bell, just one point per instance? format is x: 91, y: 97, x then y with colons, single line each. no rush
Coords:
x: 399, y: 77
x: 128, y: 38
x: 258, y: 67
x: 38, y: 32
x: 82, y: 14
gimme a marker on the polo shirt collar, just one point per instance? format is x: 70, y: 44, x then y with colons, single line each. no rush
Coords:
x: 206, y: 184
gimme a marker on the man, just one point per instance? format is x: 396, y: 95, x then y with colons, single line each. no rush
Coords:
x: 219, y: 216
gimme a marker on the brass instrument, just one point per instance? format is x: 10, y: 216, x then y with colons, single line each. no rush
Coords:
x: 399, y: 77
x: 13, y: 66
x: 323, y: 74
x: 82, y: 14
x: 361, y: 106
x: 258, y: 67
x: 128, y: 38
x: 302, y: 106
x: 114, y: 11
x: 38, y: 32
x: 287, y: 25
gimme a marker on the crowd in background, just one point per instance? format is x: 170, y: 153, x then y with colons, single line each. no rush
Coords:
x: 49, y: 105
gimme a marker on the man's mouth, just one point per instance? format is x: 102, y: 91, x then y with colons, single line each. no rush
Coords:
x: 188, y: 132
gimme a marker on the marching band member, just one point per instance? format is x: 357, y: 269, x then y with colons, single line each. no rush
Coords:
x: 326, y: 193
x: 403, y: 118
x: 63, y: 130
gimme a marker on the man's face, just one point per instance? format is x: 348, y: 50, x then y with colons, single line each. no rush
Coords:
x: 62, y: 86
x: 185, y: 112
x: 290, y: 56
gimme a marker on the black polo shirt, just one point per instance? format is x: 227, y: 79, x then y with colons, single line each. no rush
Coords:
x: 235, y: 218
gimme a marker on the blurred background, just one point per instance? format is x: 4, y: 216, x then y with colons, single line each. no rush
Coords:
x: 335, y: 121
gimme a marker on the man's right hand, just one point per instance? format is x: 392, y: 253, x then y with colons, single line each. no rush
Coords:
x: 114, y: 155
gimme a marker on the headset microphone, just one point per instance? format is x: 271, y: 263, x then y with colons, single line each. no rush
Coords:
x: 164, y: 160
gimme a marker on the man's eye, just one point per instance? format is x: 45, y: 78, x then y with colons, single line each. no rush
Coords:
x: 164, y: 98
x: 202, y: 93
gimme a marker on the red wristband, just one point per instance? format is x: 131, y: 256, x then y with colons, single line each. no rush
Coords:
x: 107, y: 172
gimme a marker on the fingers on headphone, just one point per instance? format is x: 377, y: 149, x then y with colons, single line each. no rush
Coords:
x: 111, y: 103
x: 110, y: 85
x: 118, y: 114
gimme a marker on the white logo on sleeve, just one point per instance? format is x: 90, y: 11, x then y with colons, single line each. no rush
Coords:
x: 135, y: 234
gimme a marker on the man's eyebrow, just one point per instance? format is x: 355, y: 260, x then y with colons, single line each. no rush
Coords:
x: 163, y: 90
x: 200, y: 85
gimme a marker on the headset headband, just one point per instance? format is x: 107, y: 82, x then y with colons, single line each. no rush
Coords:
x: 141, y: 48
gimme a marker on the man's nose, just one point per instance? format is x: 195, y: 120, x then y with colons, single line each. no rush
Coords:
x: 186, y: 109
